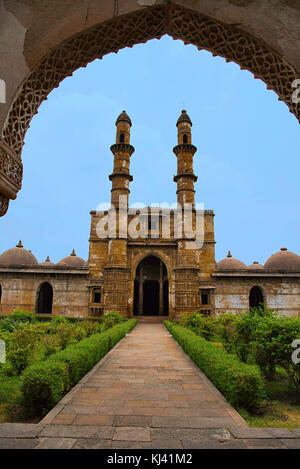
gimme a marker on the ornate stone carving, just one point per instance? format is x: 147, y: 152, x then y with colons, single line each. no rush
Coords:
x: 125, y: 31
x: 4, y: 203
x: 11, y: 172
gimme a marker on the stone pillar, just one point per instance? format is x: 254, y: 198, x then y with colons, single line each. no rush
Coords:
x: 141, y: 291
x: 161, y: 289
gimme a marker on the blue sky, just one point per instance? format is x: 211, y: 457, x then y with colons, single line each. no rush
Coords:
x: 247, y: 161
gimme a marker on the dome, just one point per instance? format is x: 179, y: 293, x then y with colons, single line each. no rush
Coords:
x: 255, y: 266
x: 47, y: 263
x: 230, y: 263
x: 184, y: 118
x: 283, y: 260
x: 72, y: 261
x: 18, y: 256
x: 124, y: 117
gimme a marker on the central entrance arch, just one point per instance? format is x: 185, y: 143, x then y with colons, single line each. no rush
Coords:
x: 151, y: 288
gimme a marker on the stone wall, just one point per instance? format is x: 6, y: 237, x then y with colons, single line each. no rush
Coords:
x: 19, y: 290
x: 281, y: 293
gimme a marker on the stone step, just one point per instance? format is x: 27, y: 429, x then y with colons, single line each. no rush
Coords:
x: 151, y: 319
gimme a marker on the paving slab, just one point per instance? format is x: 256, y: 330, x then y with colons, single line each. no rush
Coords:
x: 55, y: 443
x: 18, y: 443
x: 19, y: 430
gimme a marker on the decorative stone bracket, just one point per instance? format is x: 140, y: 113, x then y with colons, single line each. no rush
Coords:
x: 11, y: 173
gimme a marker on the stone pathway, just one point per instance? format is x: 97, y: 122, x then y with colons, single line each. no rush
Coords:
x: 146, y: 393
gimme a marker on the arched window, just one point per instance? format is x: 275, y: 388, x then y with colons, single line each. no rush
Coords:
x: 185, y: 138
x: 122, y: 138
x: 256, y: 297
x: 44, y: 299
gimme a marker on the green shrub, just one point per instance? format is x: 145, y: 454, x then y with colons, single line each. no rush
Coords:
x: 67, y: 367
x: 14, y: 320
x: 22, y: 344
x: 241, y: 384
x: 193, y: 321
x: 272, y: 346
x: 111, y: 319
x: 57, y: 320
x: 8, y: 325
x: 227, y: 327
x: 44, y: 384
x: 90, y: 327
x: 51, y: 344
x: 67, y: 334
x: 22, y: 316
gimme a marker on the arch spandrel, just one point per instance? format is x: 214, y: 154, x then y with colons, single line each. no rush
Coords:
x: 125, y: 31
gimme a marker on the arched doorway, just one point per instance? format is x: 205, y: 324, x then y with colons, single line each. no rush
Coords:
x: 44, y: 299
x: 151, y: 288
x: 256, y: 297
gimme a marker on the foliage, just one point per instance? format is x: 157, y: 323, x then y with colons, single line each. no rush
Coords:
x: 240, y: 383
x: 14, y: 320
x: 68, y: 334
x: 21, y: 347
x: 51, y: 344
x: 228, y: 330
x: 206, y: 326
x: 90, y: 327
x: 192, y: 321
x: 19, y: 315
x: 111, y: 319
x: 43, y: 385
x: 273, y: 337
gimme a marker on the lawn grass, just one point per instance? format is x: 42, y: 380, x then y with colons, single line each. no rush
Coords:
x: 10, y: 399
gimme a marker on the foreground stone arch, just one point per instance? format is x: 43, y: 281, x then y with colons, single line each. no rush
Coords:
x: 192, y: 27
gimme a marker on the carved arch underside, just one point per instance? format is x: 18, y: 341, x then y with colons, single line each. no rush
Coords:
x: 126, y: 31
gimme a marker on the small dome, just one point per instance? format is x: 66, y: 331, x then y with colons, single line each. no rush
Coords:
x: 18, y: 256
x: 283, y: 260
x: 255, y: 266
x: 230, y: 263
x: 124, y: 117
x: 72, y: 261
x: 47, y: 263
x: 184, y: 118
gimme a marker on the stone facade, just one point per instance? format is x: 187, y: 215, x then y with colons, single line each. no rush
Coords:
x: 149, y: 261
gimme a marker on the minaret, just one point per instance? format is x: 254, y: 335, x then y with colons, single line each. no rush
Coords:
x: 116, y: 270
x: 122, y: 151
x: 185, y: 151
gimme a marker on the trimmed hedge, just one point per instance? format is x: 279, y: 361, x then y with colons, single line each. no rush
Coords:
x: 241, y: 384
x: 45, y: 383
